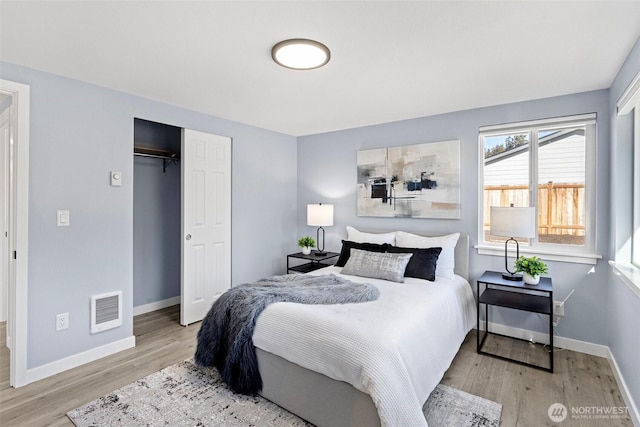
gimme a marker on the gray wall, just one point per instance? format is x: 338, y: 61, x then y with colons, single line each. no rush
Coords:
x: 623, y: 304
x: 327, y: 173
x: 79, y: 132
x: 156, y: 216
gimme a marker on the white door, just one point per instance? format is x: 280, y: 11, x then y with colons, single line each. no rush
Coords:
x: 206, y: 222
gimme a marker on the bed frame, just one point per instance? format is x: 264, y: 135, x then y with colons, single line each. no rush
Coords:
x: 319, y: 399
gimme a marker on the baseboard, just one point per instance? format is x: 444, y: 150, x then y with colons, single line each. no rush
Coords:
x: 153, y: 306
x: 624, y: 390
x: 44, y: 371
x: 574, y: 345
x: 541, y: 337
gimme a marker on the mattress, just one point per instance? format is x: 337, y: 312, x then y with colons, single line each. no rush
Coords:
x: 394, y: 349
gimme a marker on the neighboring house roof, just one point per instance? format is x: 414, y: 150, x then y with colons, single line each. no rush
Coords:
x: 561, y: 159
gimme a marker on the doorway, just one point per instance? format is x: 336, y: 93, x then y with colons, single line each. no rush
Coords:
x: 156, y: 216
x: 14, y: 220
x: 182, y: 219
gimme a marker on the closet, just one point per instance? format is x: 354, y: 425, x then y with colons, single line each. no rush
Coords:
x: 156, y: 216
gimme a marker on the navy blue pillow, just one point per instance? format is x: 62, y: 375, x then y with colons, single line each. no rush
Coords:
x: 422, y: 264
x: 348, y: 244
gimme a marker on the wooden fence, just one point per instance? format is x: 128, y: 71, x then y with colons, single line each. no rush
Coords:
x: 561, y: 207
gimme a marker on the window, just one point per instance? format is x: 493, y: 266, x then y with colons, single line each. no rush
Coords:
x: 547, y: 164
x: 629, y: 104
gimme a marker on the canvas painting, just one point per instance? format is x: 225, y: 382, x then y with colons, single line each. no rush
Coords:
x: 412, y: 181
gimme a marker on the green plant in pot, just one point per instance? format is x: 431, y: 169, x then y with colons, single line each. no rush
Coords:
x: 531, y: 269
x: 306, y: 243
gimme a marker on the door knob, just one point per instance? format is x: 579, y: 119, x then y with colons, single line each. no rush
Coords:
x: 188, y: 237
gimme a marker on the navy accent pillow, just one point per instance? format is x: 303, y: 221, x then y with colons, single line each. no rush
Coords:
x: 347, y: 245
x: 422, y: 264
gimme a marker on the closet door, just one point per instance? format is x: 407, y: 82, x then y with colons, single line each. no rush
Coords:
x: 206, y: 222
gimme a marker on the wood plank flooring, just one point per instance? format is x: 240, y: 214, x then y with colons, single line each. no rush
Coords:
x: 580, y: 380
x: 160, y: 342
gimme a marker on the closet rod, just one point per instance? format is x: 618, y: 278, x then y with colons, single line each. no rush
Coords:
x: 155, y: 153
x: 157, y: 156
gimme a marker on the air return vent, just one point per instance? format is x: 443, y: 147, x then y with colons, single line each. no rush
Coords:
x: 106, y: 311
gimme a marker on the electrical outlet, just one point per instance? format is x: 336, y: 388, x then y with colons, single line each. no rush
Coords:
x: 558, y: 308
x: 62, y: 321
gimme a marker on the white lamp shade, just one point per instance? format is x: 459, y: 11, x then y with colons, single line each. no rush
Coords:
x: 319, y: 215
x: 513, y: 222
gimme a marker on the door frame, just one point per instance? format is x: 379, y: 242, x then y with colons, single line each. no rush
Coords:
x: 5, y: 124
x: 18, y: 229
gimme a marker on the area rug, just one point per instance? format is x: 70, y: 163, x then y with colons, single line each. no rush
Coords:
x: 186, y: 395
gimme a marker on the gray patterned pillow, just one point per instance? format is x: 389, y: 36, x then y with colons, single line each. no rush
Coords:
x: 377, y: 265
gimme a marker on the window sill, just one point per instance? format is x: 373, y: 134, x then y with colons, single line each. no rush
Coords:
x: 579, y: 258
x: 628, y: 273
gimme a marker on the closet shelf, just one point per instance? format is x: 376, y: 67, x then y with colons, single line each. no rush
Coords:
x: 167, y: 156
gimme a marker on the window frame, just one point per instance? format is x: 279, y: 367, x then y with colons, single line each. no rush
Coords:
x: 627, y: 257
x: 629, y: 103
x: 635, y: 230
x: 560, y: 252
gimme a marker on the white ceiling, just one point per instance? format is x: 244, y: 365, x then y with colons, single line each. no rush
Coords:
x: 391, y: 60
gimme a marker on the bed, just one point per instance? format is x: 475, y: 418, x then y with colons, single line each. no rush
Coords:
x: 309, y: 363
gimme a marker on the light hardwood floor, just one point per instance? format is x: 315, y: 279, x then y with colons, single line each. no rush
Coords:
x: 579, y: 381
x: 525, y: 393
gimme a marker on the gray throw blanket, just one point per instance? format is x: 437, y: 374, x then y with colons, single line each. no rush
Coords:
x: 225, y: 338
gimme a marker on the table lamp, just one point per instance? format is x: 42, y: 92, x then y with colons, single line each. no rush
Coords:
x: 512, y: 222
x: 319, y: 215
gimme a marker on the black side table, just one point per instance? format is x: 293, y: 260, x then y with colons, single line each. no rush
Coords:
x: 315, y: 261
x: 520, y: 296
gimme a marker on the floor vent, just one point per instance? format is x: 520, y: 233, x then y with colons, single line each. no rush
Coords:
x: 106, y: 311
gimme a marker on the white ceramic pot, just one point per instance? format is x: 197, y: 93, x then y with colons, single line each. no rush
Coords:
x: 306, y: 250
x: 531, y: 280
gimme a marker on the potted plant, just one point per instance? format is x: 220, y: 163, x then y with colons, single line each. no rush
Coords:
x: 306, y: 243
x: 531, y: 269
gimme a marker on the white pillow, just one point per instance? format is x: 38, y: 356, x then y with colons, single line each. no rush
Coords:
x: 361, y: 237
x: 446, y: 260
x: 377, y: 265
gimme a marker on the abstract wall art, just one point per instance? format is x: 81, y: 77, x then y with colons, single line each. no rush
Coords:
x: 412, y: 181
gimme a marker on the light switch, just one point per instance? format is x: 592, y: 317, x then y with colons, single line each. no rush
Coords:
x: 63, y: 218
x: 116, y: 179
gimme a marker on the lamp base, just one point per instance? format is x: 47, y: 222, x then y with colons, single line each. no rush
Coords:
x: 513, y: 277
x: 320, y: 253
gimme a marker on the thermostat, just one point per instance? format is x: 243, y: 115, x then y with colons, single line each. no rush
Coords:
x: 116, y: 179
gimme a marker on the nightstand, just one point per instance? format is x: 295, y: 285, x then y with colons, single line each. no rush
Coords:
x: 517, y: 295
x: 315, y: 262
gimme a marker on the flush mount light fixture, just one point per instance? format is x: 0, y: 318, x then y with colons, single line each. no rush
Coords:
x: 300, y: 54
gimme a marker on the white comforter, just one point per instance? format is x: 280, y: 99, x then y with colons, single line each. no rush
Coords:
x: 396, y: 349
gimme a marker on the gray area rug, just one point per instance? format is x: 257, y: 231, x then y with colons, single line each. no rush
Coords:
x: 186, y: 395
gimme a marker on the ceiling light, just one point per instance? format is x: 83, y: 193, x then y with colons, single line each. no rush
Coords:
x: 300, y: 54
